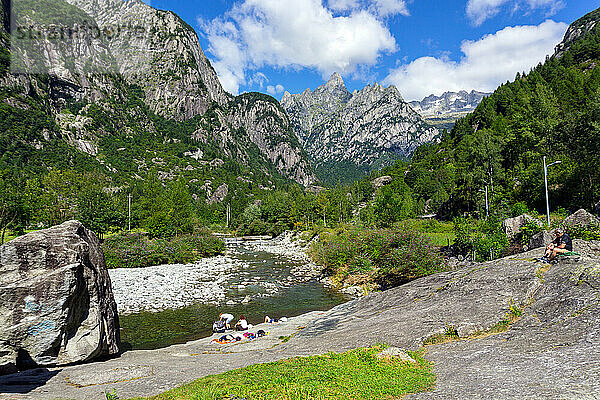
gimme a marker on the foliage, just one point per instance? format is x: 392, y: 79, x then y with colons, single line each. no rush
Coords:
x: 553, y: 110
x: 528, y: 231
x: 135, y: 250
x: 589, y: 232
x: 485, y: 239
x: 388, y: 256
x: 356, y: 374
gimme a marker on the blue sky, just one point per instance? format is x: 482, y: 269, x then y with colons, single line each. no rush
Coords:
x: 421, y: 46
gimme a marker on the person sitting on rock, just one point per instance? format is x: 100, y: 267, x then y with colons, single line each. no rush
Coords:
x: 227, y: 318
x: 560, y: 245
x: 242, y: 324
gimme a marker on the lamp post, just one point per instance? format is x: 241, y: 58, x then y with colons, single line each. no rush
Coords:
x: 487, y: 206
x: 546, y: 185
x: 129, y: 212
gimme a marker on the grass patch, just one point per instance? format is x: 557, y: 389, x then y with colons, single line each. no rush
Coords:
x: 450, y: 334
x: 356, y: 374
x: 441, y: 239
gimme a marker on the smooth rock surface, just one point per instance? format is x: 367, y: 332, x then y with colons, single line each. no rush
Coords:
x: 56, y: 300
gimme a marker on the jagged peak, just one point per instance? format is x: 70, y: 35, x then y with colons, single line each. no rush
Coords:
x: 394, y: 90
x: 286, y: 96
x: 335, y: 80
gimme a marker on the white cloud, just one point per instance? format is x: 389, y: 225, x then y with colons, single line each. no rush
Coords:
x: 343, y: 5
x: 293, y: 34
x: 275, y: 90
x: 486, y: 63
x: 479, y: 11
x: 387, y: 8
x: 258, y: 79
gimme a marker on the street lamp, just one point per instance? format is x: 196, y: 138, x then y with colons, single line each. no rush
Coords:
x: 487, y: 207
x: 546, y: 184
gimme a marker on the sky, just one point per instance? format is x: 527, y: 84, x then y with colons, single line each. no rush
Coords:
x: 422, y: 47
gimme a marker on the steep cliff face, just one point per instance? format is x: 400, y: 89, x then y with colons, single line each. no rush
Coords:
x: 123, y: 72
x: 576, y: 31
x: 159, y: 52
x: 355, y: 132
x: 269, y: 128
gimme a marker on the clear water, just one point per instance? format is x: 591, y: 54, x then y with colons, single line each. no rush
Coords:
x: 265, y: 277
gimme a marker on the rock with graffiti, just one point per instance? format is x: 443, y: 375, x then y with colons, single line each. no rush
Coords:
x: 56, y: 301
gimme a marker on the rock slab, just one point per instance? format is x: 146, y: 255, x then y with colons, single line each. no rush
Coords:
x: 56, y: 300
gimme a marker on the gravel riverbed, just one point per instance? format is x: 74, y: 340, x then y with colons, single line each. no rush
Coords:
x: 232, y: 278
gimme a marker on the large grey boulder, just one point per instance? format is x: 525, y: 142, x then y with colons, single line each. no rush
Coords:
x: 580, y: 219
x: 540, y: 239
x: 512, y: 226
x: 56, y: 300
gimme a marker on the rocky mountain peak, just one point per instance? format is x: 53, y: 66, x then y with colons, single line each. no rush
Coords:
x: 347, y: 134
x: 576, y: 30
x: 335, y: 80
x: 448, y: 104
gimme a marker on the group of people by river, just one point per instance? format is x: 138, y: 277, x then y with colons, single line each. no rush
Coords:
x: 225, y: 320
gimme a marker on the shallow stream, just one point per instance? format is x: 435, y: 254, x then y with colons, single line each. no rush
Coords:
x: 259, y: 283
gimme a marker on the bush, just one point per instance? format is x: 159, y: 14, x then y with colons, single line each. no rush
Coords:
x: 519, y: 208
x: 528, y: 231
x: 136, y: 250
x: 590, y: 232
x: 388, y: 256
x: 485, y: 238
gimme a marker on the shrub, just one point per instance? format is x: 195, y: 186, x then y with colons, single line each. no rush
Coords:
x: 519, y: 208
x: 135, y: 250
x: 485, y: 238
x: 387, y: 256
x: 528, y: 231
x: 589, y: 232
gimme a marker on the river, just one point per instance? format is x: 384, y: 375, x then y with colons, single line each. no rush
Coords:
x: 164, y: 305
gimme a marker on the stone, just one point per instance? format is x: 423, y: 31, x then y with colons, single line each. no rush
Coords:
x: 512, y: 226
x: 219, y: 195
x: 394, y: 353
x: 540, y: 239
x: 56, y: 300
x: 580, y: 218
x: 381, y: 182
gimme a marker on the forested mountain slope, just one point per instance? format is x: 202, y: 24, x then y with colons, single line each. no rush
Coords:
x: 553, y: 111
x: 110, y: 93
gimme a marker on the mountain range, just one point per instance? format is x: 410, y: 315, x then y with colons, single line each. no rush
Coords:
x: 449, y: 104
x: 348, y: 134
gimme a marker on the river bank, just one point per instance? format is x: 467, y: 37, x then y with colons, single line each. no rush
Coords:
x: 212, y: 280
x: 170, y: 304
